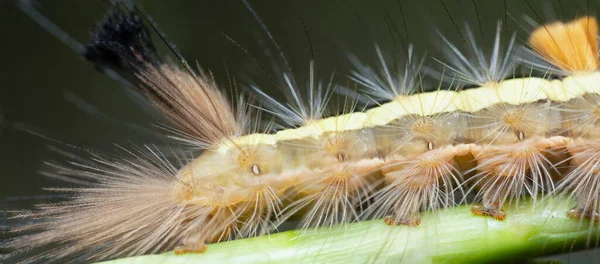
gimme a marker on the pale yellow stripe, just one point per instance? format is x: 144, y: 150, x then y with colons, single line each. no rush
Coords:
x: 513, y: 91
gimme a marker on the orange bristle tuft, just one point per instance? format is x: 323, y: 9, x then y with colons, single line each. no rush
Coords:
x: 571, y: 46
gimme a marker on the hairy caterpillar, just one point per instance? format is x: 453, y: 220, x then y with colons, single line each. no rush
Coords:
x: 404, y: 155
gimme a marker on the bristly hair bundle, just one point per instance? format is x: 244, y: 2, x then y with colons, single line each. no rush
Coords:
x: 122, y: 42
x: 192, y: 102
x: 126, y: 208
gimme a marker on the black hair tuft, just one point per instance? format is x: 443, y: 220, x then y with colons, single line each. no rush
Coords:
x: 121, y: 42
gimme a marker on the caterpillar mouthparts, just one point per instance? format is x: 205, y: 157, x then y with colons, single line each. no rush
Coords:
x: 500, y: 141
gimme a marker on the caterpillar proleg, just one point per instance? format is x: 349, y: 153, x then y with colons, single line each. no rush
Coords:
x: 481, y: 134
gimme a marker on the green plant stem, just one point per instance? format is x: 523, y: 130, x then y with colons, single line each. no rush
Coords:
x: 447, y: 236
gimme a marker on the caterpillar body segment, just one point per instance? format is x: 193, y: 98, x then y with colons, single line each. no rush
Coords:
x: 502, y: 140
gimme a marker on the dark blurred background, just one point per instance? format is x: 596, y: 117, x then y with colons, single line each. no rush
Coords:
x: 48, y: 90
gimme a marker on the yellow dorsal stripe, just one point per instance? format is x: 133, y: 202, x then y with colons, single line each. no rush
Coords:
x: 514, y: 91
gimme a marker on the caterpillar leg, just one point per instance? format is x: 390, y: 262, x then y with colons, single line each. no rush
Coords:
x: 581, y: 213
x: 495, y: 211
x: 413, y: 185
x: 494, y: 196
x: 191, y: 245
x: 492, y: 201
x: 395, y: 220
x: 407, y: 208
x: 200, y: 229
x: 583, y: 182
x: 196, y: 241
x: 507, y: 173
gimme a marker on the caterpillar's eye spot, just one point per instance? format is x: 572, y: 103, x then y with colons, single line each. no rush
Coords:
x: 341, y: 156
x: 430, y: 145
x: 255, y: 169
x: 521, y: 135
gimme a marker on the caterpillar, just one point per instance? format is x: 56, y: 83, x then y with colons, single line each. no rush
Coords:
x: 408, y: 152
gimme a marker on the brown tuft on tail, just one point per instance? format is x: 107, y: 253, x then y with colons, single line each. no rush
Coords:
x: 191, y: 102
x: 572, y: 46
